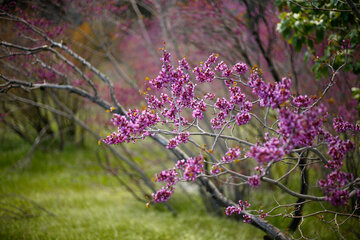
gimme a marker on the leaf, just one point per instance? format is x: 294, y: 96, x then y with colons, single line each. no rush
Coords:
x: 295, y: 8
x: 297, y: 42
x: 324, y: 71
x: 310, y: 44
x: 306, y: 56
x: 319, y: 35
x: 279, y: 3
x: 356, y: 68
x: 286, y: 33
x: 308, y: 28
x: 348, y: 67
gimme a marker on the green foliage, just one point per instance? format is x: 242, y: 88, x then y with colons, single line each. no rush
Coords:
x: 356, y: 95
x: 310, y: 24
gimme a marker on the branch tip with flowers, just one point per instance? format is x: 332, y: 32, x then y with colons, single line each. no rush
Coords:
x: 298, y: 127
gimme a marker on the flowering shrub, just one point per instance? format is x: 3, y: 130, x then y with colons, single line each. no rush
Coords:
x: 299, y: 126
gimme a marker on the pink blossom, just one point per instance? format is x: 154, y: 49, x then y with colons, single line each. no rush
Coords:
x: 240, y: 68
x: 242, y: 118
x: 231, y: 155
x: 271, y: 150
x: 163, y: 195
x: 254, y: 181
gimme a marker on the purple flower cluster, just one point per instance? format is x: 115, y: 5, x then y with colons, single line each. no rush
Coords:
x: 215, y: 169
x: 184, y: 64
x: 154, y: 102
x: 181, y: 164
x: 190, y: 169
x: 182, y: 90
x: 259, y: 169
x: 272, y: 150
x: 211, y: 59
x: 242, y: 118
x: 246, y: 107
x: 333, y: 186
x: 238, y: 209
x: 221, y: 67
x: 163, y: 194
x: 209, y: 96
x: 335, y: 182
x: 166, y: 73
x: 231, y: 155
x: 242, y: 205
x: 224, y: 69
x: 181, y: 138
x: 193, y: 167
x: 254, y: 181
x: 167, y: 176
x: 240, y: 68
x: 131, y: 127
x: 263, y: 214
x: 203, y: 72
x: 301, y: 128
x: 218, y: 121
x: 231, y: 210
x: 337, y: 150
x: 225, y: 107
x: 302, y: 101
x: 199, y: 108
x: 270, y: 94
x: 236, y: 96
x: 342, y: 126
x: 246, y: 218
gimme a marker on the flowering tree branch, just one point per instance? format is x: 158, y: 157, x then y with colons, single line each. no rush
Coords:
x: 299, y: 121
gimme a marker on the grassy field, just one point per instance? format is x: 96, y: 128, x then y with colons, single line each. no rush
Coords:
x: 66, y: 195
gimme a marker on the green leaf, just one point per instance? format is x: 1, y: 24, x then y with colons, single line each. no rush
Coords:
x: 319, y: 35
x: 286, y: 33
x: 355, y: 93
x: 348, y: 67
x: 323, y: 71
x: 356, y: 68
x: 306, y: 56
x: 354, y: 36
x: 295, y: 8
x: 310, y: 43
x: 279, y: 3
x: 297, y: 42
x: 308, y: 28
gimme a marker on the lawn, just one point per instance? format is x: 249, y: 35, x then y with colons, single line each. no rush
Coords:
x: 66, y: 195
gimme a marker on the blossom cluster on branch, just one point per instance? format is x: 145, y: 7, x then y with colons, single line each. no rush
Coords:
x: 177, y: 102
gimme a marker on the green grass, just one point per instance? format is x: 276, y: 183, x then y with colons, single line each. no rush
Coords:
x: 89, y: 204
